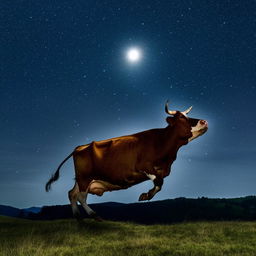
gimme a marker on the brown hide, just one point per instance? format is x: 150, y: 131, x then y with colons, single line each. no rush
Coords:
x: 123, y: 161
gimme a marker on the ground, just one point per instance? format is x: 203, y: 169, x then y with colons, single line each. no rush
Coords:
x: 67, y: 237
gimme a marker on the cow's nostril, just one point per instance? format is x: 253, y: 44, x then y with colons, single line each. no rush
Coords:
x: 202, y: 122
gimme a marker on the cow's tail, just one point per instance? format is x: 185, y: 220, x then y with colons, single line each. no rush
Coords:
x: 56, y: 175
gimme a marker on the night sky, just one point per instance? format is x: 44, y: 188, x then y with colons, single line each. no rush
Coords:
x: 65, y: 81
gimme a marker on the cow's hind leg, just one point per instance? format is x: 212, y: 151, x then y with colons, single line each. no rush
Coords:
x: 82, y: 197
x: 158, y: 182
x: 73, y: 197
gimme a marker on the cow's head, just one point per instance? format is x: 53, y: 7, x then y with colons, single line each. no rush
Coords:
x: 187, y: 128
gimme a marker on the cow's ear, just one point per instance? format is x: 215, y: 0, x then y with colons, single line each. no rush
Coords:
x: 170, y: 120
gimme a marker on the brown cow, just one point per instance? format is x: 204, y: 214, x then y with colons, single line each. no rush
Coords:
x: 122, y: 162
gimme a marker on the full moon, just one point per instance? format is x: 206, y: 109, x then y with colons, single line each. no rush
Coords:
x: 133, y: 55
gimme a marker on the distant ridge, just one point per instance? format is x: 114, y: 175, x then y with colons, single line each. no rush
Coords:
x: 33, y: 209
x: 9, y: 211
x: 165, y: 211
x: 18, y: 213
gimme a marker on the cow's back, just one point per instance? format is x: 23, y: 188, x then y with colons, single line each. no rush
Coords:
x: 112, y: 160
x: 115, y: 158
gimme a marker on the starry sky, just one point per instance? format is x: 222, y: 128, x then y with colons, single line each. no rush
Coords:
x: 65, y: 81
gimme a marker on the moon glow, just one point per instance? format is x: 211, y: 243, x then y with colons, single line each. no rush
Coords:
x: 133, y: 55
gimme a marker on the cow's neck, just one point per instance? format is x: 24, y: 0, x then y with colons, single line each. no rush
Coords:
x: 171, y: 143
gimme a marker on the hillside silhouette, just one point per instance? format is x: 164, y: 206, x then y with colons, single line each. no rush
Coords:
x: 165, y: 211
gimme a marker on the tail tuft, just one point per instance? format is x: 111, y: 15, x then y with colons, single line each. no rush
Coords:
x: 56, y: 175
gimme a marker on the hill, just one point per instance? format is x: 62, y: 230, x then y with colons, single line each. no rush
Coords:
x: 165, y: 211
x: 67, y: 237
x: 9, y: 211
x: 18, y: 213
x: 156, y: 212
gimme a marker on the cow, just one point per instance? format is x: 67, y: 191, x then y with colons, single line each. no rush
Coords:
x: 121, y: 162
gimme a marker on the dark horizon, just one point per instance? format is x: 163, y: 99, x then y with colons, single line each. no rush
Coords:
x: 158, y: 212
x: 65, y: 82
x: 67, y: 203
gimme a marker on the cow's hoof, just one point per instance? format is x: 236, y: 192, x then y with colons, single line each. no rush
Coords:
x: 143, y: 197
x: 96, y: 217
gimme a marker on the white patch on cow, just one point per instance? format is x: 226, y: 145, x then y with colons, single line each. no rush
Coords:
x: 151, y: 176
x: 198, y: 130
x: 157, y: 188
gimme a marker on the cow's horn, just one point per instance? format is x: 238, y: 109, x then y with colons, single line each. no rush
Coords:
x: 187, y: 111
x: 170, y: 112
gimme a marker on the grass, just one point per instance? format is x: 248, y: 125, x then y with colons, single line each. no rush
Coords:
x: 90, y: 238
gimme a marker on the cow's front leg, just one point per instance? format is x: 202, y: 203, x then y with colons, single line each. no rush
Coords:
x: 158, y: 182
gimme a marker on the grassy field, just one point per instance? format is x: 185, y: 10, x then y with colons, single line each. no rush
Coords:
x: 66, y: 237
